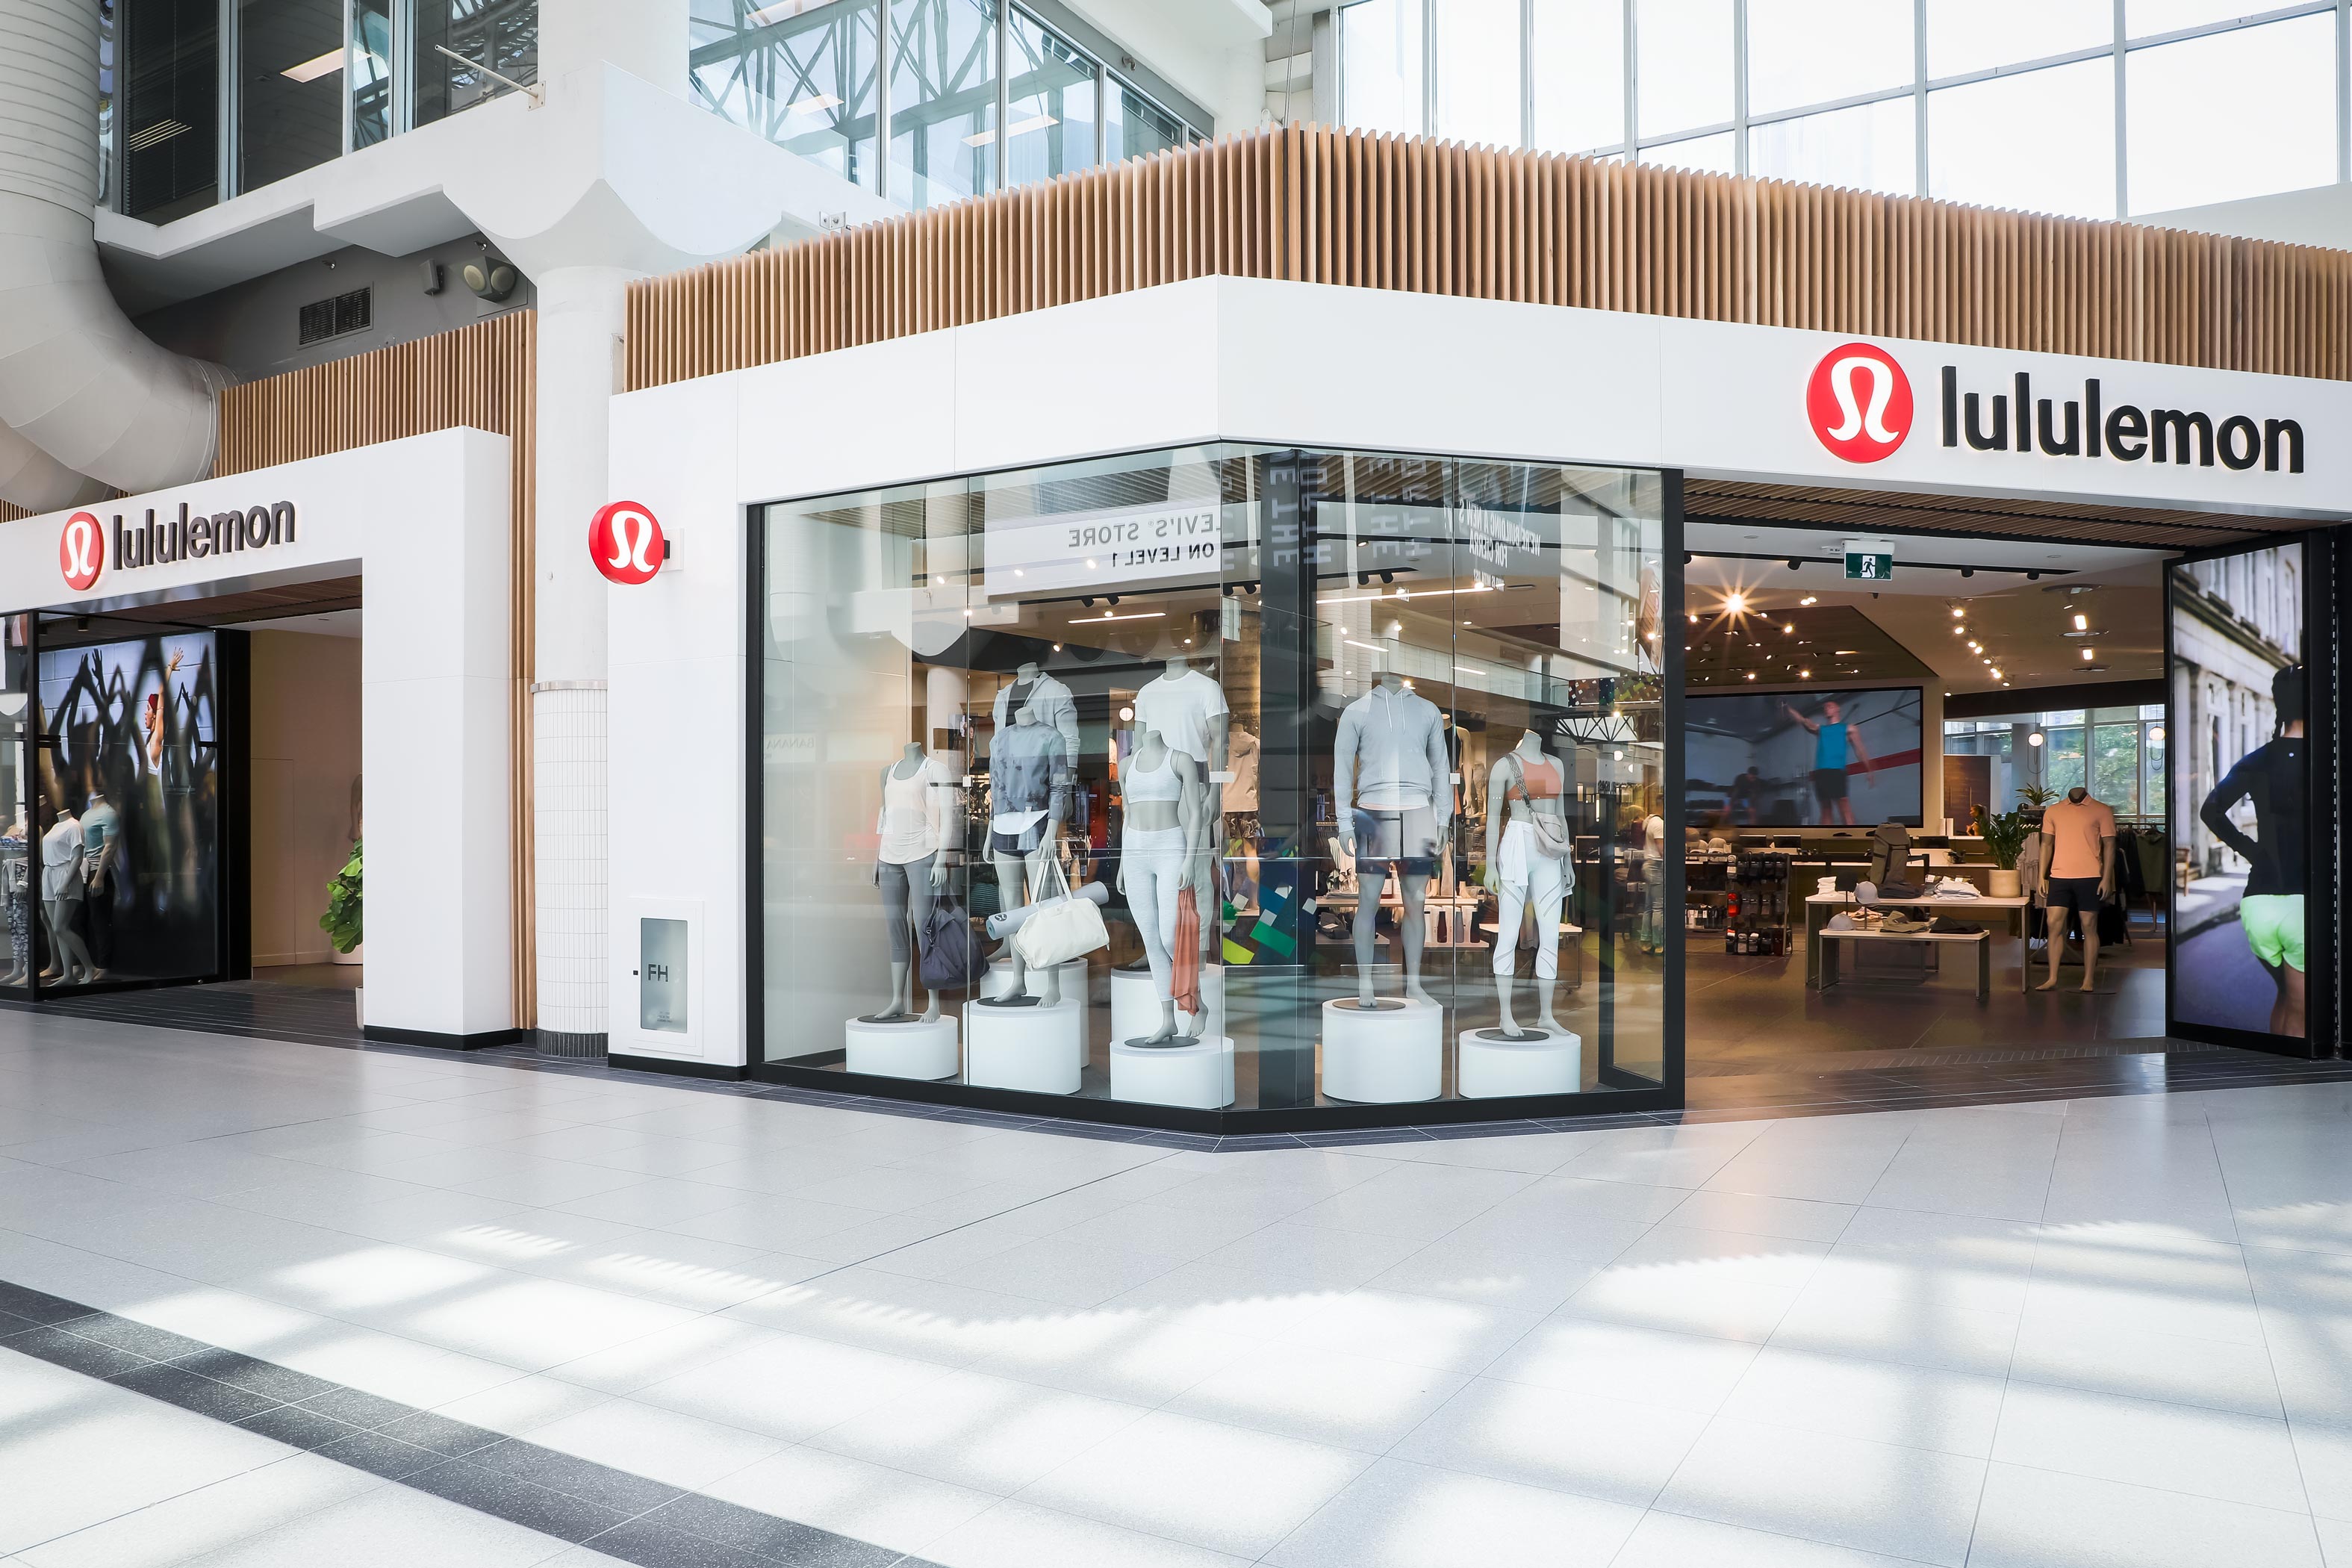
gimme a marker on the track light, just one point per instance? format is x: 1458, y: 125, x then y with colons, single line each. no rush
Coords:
x: 1794, y: 563
x: 2033, y: 576
x: 1968, y: 570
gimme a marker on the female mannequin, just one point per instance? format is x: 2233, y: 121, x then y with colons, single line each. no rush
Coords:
x: 1165, y: 836
x: 1527, y: 863
x: 911, y: 867
x: 16, y: 892
x: 1030, y: 793
x: 61, y: 901
x: 1394, y: 802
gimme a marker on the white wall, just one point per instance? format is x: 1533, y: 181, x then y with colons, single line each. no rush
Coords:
x: 424, y: 522
x: 305, y: 752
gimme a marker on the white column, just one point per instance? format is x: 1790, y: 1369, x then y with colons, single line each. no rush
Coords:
x: 582, y: 317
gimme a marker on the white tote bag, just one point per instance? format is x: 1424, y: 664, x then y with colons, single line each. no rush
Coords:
x: 1060, y: 928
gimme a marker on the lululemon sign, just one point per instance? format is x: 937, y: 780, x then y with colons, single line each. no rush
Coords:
x: 1859, y: 402
x: 626, y: 542
x: 81, y: 551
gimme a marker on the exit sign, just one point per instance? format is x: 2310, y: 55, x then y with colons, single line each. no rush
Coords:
x: 1869, y: 560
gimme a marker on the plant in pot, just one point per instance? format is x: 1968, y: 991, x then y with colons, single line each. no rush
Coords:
x: 341, y: 922
x: 2004, y: 839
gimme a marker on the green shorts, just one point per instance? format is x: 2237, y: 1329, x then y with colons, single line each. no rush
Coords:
x: 2274, y: 925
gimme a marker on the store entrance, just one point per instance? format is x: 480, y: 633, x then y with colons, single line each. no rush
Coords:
x: 182, y: 794
x: 1875, y: 768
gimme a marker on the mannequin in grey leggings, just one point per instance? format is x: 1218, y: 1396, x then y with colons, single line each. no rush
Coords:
x: 909, y: 869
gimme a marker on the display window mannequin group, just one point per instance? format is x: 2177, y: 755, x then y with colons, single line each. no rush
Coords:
x: 1529, y: 867
x: 917, y: 830
x: 1395, y: 801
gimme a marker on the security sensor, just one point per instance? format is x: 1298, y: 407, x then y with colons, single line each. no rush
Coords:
x: 491, y: 278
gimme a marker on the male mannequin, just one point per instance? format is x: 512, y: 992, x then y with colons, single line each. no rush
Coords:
x: 1525, y: 870
x: 2079, y: 851
x: 911, y: 867
x: 1029, y: 792
x: 1055, y: 707
x: 1393, y: 798
x: 61, y: 901
x: 1163, y: 838
x: 1188, y: 708
x: 101, y: 843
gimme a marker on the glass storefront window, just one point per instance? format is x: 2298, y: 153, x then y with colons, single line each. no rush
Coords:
x: 1360, y: 762
x: 803, y: 75
x: 2115, y: 766
x: 18, y: 863
x: 942, y: 101
x: 1051, y: 92
x: 2062, y: 752
x: 500, y: 34
x: 289, y: 109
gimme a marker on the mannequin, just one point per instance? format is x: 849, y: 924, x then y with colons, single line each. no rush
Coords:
x: 1526, y: 870
x: 61, y: 901
x: 1188, y: 708
x: 1165, y: 835
x: 16, y: 892
x: 910, y: 869
x: 1029, y: 789
x: 101, y: 841
x: 1395, y: 798
x: 1056, y: 709
x: 2078, y: 857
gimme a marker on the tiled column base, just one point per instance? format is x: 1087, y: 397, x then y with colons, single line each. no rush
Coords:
x: 579, y: 1048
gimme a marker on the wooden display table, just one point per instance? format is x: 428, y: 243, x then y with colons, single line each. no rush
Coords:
x: 1820, y: 907
x: 1826, y: 944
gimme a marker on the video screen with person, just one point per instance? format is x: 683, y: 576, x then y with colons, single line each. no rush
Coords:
x: 1803, y: 759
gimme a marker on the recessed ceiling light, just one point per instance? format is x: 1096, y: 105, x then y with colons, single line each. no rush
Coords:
x: 1808, y: 599
x: 312, y: 69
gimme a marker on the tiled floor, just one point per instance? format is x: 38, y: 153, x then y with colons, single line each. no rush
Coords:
x: 2096, y: 1330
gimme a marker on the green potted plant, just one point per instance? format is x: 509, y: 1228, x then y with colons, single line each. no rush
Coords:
x: 343, y: 922
x: 2004, y: 839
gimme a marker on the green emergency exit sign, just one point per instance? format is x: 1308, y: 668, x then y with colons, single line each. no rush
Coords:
x: 1868, y: 564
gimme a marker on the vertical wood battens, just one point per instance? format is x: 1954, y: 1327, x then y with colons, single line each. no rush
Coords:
x: 481, y: 376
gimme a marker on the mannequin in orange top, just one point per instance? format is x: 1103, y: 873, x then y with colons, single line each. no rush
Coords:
x: 1527, y: 863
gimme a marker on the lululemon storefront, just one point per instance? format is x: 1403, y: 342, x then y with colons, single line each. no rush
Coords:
x: 1246, y: 754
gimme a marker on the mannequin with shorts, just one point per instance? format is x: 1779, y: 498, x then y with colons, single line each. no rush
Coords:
x: 1392, y: 793
x: 2080, y: 854
x: 1528, y: 866
x: 2270, y: 911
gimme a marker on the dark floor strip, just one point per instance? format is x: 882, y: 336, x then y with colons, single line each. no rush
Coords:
x: 607, y: 1511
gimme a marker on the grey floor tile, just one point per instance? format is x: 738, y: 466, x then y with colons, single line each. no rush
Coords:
x: 517, y: 1500
x: 302, y: 1428
x: 440, y: 1434
x: 177, y: 1385
x: 59, y: 1348
x: 763, y: 1536
x: 573, y: 1476
x: 263, y: 1377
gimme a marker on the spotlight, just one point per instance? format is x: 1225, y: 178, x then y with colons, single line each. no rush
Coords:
x: 1226, y: 592
x: 1968, y: 570
x: 2033, y: 576
x: 1113, y: 599
x: 1388, y: 576
x: 1809, y: 599
x: 2155, y: 735
x: 2034, y: 739
x: 1794, y: 563
x: 2082, y: 623
x: 1736, y: 604
x: 1687, y: 558
x: 1089, y: 604
x: 1364, y: 579
x: 1959, y: 611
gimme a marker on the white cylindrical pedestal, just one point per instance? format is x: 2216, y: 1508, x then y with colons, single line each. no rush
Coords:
x: 1384, y: 1055
x: 1042, y: 1049
x: 1200, y: 1075
x: 1135, y: 1004
x: 1486, y: 1069
x: 907, y: 1048
x: 1074, y: 979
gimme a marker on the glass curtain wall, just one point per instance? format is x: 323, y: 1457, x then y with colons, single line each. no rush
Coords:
x: 2000, y: 102
x: 19, y: 861
x: 290, y: 97
x: 804, y: 76
x: 1357, y: 762
x: 500, y: 34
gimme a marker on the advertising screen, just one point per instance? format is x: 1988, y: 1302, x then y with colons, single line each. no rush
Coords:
x: 1803, y: 759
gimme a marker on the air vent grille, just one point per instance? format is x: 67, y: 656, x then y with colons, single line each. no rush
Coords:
x: 345, y: 313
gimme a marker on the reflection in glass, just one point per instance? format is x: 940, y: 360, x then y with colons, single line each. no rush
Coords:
x: 1478, y: 73
x: 1716, y: 154
x: 369, y: 65
x: 1379, y: 65
x: 1812, y: 51
x: 168, y: 81
x: 1683, y: 65
x: 2230, y: 115
x: 1049, y: 126
x: 1869, y: 147
x: 18, y: 908
x: 942, y: 101
x: 1966, y: 36
x: 802, y: 74
x: 1130, y: 677
x: 1135, y: 127
x: 500, y: 34
x: 1579, y: 74
x: 2040, y: 142
x: 290, y: 108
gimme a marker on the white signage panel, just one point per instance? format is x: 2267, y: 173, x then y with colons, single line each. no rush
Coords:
x: 1163, y: 545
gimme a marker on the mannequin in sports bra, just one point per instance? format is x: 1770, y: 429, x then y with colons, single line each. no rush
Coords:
x: 1528, y: 866
x: 917, y: 829
x: 1164, y: 838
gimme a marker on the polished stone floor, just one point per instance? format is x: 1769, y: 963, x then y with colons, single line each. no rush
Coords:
x: 270, y: 1303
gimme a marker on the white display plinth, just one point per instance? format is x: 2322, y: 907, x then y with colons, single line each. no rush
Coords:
x: 1385, y: 1055
x: 1135, y: 1004
x: 1074, y: 979
x: 1042, y: 1049
x: 909, y: 1047
x: 1488, y: 1070
x: 1200, y: 1075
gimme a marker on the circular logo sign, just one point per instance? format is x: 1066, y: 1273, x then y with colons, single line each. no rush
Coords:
x: 1859, y: 402
x: 81, y: 551
x: 626, y: 542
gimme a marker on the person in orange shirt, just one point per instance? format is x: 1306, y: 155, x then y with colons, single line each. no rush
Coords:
x: 2080, y: 854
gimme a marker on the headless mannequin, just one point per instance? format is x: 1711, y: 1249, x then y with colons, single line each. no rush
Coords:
x: 1534, y: 883
x: 902, y: 972
x: 1016, y: 881
x: 1157, y: 877
x: 1372, y: 877
x: 1211, y: 829
x: 17, y: 973
x: 69, y: 959
x: 2057, y: 918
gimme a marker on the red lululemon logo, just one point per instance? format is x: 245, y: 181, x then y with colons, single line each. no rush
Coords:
x: 626, y: 542
x: 81, y: 551
x: 1859, y: 402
